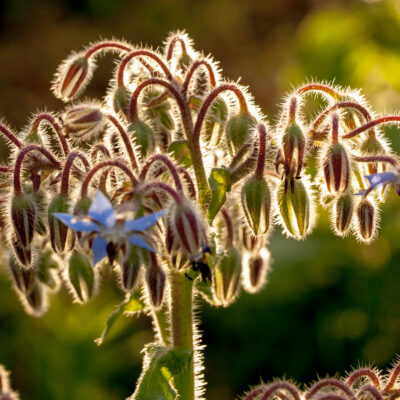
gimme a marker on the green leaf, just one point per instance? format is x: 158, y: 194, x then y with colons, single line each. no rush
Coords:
x: 163, y: 366
x: 132, y: 304
x: 181, y: 152
x: 220, y: 184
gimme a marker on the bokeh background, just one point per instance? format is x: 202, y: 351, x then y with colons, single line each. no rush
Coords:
x: 330, y: 304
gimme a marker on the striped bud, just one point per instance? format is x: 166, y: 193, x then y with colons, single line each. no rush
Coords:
x: 130, y: 268
x: 343, y: 213
x: 187, y: 229
x: 239, y: 130
x: 216, y: 121
x: 23, y: 254
x: 59, y: 232
x: 144, y: 138
x: 336, y: 166
x: 255, y: 271
x: 295, y: 209
x: 179, y: 259
x: 83, y: 121
x: 366, y: 220
x: 36, y: 301
x: 256, y: 203
x: 252, y: 244
x: 155, y: 280
x: 226, y: 276
x: 22, y: 278
x: 372, y: 146
x: 72, y: 76
x: 293, y: 144
x: 23, y: 217
x: 121, y: 99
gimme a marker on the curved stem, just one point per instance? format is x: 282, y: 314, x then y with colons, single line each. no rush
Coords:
x: 67, y: 169
x: 239, y: 155
x: 387, y: 159
x: 108, y: 163
x: 196, y: 64
x: 318, y: 87
x: 20, y: 158
x: 261, y: 151
x: 106, y: 45
x: 278, y: 386
x: 324, y: 383
x: 10, y: 136
x: 168, y: 163
x: 99, y: 147
x: 51, y: 120
x: 378, y: 121
x: 371, y: 390
x: 393, y: 378
x: 138, y: 53
x: 128, y: 145
x: 189, y: 182
x: 171, y: 46
x: 362, y: 373
x: 163, y: 186
x: 245, y: 167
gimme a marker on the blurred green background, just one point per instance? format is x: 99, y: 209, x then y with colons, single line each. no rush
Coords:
x: 330, y: 304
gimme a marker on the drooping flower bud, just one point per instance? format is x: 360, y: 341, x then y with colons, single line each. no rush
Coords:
x: 366, y: 220
x: 121, y: 99
x: 36, y: 301
x: 23, y: 279
x: 130, y: 268
x: 372, y: 146
x: 343, y: 213
x: 239, y: 130
x: 48, y: 269
x: 216, y: 121
x: 72, y: 77
x: 179, y: 259
x: 155, y: 280
x: 336, y: 166
x: 23, y: 217
x: 256, y: 203
x: 226, y: 276
x: 143, y: 136
x: 83, y: 121
x: 255, y: 270
x: 23, y: 254
x: 252, y: 244
x: 295, y: 208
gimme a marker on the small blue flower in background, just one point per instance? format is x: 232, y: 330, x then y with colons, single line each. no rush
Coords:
x: 381, y: 179
x: 102, y: 221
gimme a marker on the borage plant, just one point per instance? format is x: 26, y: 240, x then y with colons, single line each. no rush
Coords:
x: 175, y: 180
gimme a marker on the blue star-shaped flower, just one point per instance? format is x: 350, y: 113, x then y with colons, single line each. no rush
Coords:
x: 381, y: 179
x: 102, y: 221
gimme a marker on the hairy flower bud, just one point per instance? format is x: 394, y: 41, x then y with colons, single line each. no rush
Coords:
x: 336, y: 167
x: 226, y: 276
x: 295, y: 207
x: 343, y: 213
x: 36, y: 301
x: 155, y: 279
x: 252, y: 244
x: 255, y: 270
x: 216, y: 121
x: 23, y: 279
x: 366, y: 220
x: 23, y: 217
x: 371, y: 146
x: 293, y: 144
x: 121, y: 99
x: 23, y: 254
x: 179, y: 259
x: 83, y: 121
x: 143, y: 136
x: 72, y: 76
x: 239, y: 130
x: 130, y: 268
x: 256, y: 203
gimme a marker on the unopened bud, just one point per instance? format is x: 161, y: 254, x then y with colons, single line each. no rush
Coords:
x: 36, y: 301
x: 256, y: 203
x: 295, y: 207
x: 336, y: 166
x: 23, y: 279
x: 121, y: 99
x: 143, y: 137
x: 23, y: 254
x: 343, y: 213
x: 216, y: 121
x: 48, y: 271
x: 252, y: 244
x: 23, y: 217
x: 155, y: 279
x: 83, y: 121
x: 256, y: 268
x: 366, y: 220
x: 130, y: 268
x: 226, y: 277
x: 179, y: 259
x: 293, y: 144
x: 239, y: 130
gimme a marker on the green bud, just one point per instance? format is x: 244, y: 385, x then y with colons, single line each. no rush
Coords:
x: 215, y: 121
x: 343, y: 213
x: 336, y: 166
x: 144, y: 138
x: 121, y: 101
x: 239, y: 130
x: 23, y: 217
x: 372, y: 146
x: 226, y: 277
x: 130, y: 269
x: 256, y: 203
x: 366, y: 220
x: 155, y: 280
x: 48, y: 270
x: 293, y: 144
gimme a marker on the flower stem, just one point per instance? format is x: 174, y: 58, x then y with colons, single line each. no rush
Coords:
x: 67, y: 169
x: 191, y: 71
x: 318, y: 87
x: 378, y: 121
x: 10, y: 136
x: 261, y: 151
x: 106, y: 45
x: 176, y: 39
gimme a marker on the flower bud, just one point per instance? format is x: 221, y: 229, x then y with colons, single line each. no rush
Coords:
x: 216, y: 121
x: 72, y: 76
x: 366, y: 220
x: 48, y: 272
x: 130, y: 268
x: 336, y: 168
x: 256, y: 268
x: 343, y: 213
x: 81, y: 277
x: 36, y: 301
x: 22, y: 278
x: 23, y: 254
x: 179, y: 259
x: 295, y: 208
x: 256, y: 203
x: 227, y: 276
x: 155, y: 280
x: 144, y: 138
x: 372, y: 146
x: 83, y: 121
x: 293, y: 144
x: 23, y: 217
x: 121, y: 99
x: 239, y: 130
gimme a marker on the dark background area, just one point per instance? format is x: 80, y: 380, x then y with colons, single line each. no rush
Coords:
x: 330, y: 304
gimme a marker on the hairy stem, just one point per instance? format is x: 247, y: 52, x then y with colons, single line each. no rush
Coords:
x: 318, y: 87
x: 67, y: 169
x: 191, y: 71
x: 110, y: 45
x: 378, y: 121
x: 261, y: 151
x: 10, y: 136
x: 171, y: 47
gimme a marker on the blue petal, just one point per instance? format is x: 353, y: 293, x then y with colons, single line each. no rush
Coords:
x: 140, y: 242
x: 143, y: 223
x: 102, y: 210
x: 99, y: 249
x: 360, y: 193
x: 79, y: 224
x: 381, y: 178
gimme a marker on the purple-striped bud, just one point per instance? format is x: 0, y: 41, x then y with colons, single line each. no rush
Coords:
x: 256, y: 203
x: 293, y: 144
x: 143, y: 137
x: 22, y: 278
x: 343, y: 213
x: 83, y: 121
x: 23, y: 217
x: 255, y: 271
x: 179, y: 259
x: 72, y: 77
x: 336, y: 166
x: 130, y: 268
x: 187, y: 229
x: 239, y: 130
x: 366, y: 220
x: 23, y: 254
x: 226, y: 278
x: 155, y: 280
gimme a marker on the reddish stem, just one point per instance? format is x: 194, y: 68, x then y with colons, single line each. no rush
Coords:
x: 324, y: 383
x: 104, y: 164
x: 189, y: 181
x: 191, y: 71
x: 335, y: 128
x: 10, y: 136
x: 261, y: 151
x: 387, y: 159
x: 105, y: 45
x: 393, y: 378
x: 5, y: 169
x: 319, y: 88
x: 67, y: 169
x: 378, y: 121
x: 362, y: 373
x: 51, y: 120
x: 369, y: 389
x: 229, y: 227
x: 292, y: 108
x: 103, y: 149
x: 163, y: 186
x: 20, y: 158
x: 173, y: 42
